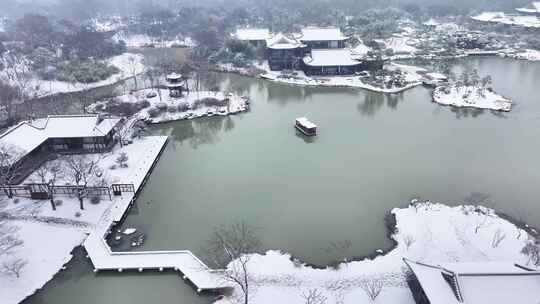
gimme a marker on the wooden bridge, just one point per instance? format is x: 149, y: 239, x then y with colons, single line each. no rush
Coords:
x: 183, y: 261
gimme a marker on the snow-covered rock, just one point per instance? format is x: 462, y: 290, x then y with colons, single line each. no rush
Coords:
x: 129, y: 231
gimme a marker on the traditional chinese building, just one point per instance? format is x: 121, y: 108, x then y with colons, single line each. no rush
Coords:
x: 255, y: 36
x: 481, y: 282
x: 330, y: 62
x: 30, y: 143
x: 284, y: 53
x: 532, y: 8
x: 176, y: 84
x: 322, y: 38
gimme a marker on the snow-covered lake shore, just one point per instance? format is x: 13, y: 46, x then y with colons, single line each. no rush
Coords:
x: 169, y: 108
x: 426, y: 232
x: 50, y: 236
x: 411, y: 76
x: 470, y: 96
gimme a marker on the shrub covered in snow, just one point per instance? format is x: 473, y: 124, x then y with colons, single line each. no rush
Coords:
x: 210, y: 102
x: 184, y: 106
x: 94, y: 200
x: 85, y: 71
x: 118, y: 107
x: 122, y: 160
x: 154, y: 112
x: 162, y: 106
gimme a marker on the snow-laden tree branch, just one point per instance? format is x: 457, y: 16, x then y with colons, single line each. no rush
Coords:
x: 230, y: 247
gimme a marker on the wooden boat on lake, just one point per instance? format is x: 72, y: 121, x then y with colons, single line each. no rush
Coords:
x: 305, y: 126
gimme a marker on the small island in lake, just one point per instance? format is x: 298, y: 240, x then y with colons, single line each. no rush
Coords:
x: 471, y: 91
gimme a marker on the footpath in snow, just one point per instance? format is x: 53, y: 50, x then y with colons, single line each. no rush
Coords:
x: 469, y: 96
x: 50, y: 236
x: 426, y: 232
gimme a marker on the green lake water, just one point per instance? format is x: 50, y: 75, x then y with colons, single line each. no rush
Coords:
x: 374, y: 152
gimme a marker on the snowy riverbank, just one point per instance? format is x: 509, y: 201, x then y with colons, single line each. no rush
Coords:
x: 471, y: 96
x: 431, y: 233
x: 49, y: 236
x: 191, y: 105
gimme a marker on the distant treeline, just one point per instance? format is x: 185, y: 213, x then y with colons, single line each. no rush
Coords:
x: 84, y: 9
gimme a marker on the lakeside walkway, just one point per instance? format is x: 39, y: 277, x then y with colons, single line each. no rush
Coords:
x: 99, y: 252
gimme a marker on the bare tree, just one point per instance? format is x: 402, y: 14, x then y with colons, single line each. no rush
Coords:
x: 122, y: 160
x: 8, y: 238
x: 498, y: 237
x: 13, y: 267
x: 481, y: 220
x: 532, y: 251
x: 133, y: 64
x: 17, y: 71
x: 408, y: 240
x: 314, y: 296
x: 230, y: 248
x: 82, y: 171
x: 49, y: 173
x: 8, y: 98
x: 122, y: 134
x: 372, y: 287
x: 10, y: 167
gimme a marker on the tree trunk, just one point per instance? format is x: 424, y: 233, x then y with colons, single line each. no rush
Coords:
x: 81, y: 204
x: 51, y: 196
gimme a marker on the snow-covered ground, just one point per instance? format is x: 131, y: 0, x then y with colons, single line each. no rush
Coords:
x: 531, y: 55
x: 128, y: 64
x: 426, y: 232
x: 109, y: 24
x: 411, y: 76
x: 401, y: 45
x: 500, y: 17
x: 471, y: 97
x: 140, y: 41
x: 236, y: 104
x: 50, y: 236
x: 360, y: 50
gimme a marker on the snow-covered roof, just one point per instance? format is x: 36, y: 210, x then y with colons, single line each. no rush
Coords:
x: 431, y: 22
x: 306, y: 123
x: 361, y: 49
x: 322, y: 34
x: 483, y: 282
x: 174, y: 76
x: 500, y: 17
x: 533, y: 7
x: 280, y: 41
x: 330, y: 57
x: 437, y: 76
x: 252, y: 34
x: 28, y: 135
